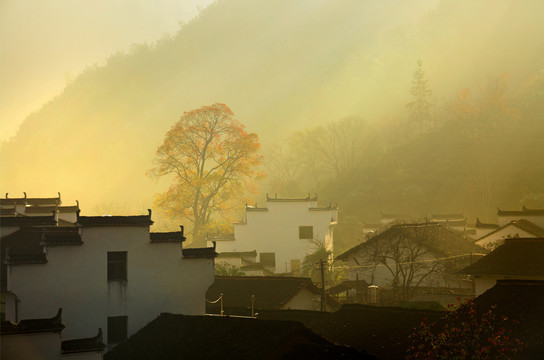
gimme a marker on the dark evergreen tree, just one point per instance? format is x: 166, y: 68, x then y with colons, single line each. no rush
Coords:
x: 421, y: 107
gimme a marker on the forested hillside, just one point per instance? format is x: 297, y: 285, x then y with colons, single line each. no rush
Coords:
x: 285, y: 66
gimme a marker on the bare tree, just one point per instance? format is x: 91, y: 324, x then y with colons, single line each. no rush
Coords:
x: 405, y: 252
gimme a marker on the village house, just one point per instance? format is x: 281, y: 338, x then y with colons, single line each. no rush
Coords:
x: 106, y: 272
x: 511, y: 223
x: 241, y: 293
x: 516, y: 259
x: 32, y: 339
x: 408, y: 256
x: 287, y: 227
x: 515, y: 229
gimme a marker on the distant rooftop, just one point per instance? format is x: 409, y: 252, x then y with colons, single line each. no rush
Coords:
x: 481, y: 225
x: 301, y: 199
x: 524, y: 212
x: 30, y: 201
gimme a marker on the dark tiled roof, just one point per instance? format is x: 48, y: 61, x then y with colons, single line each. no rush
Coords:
x: 277, y: 199
x: 62, y: 236
x: 237, y: 254
x: 440, y: 239
x: 381, y: 331
x: 160, y: 237
x: 481, y: 225
x: 524, y: 212
x: 49, y: 209
x: 199, y: 253
x: 212, y: 337
x: 517, y: 256
x: 30, y: 201
x: 8, y: 211
x: 104, y: 221
x: 27, y: 220
x: 32, y: 326
x: 92, y: 344
x: 271, y: 292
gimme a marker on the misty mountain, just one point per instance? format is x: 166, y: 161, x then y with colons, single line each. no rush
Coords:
x: 280, y: 66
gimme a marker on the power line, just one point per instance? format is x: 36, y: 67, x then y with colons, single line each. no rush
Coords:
x: 404, y: 262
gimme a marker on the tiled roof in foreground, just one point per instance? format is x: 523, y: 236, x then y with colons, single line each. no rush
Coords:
x: 212, y: 337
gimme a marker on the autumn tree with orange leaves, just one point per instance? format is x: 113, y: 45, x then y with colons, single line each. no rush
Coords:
x: 210, y: 157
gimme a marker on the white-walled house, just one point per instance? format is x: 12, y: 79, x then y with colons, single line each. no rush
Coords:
x: 286, y: 227
x: 515, y: 229
x: 105, y: 272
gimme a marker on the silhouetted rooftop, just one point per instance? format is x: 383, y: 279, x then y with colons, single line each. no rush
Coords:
x: 517, y: 256
x: 212, y: 337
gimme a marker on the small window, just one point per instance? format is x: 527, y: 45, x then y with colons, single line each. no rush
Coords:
x: 306, y: 232
x: 117, y: 265
x: 295, y: 265
x: 117, y: 329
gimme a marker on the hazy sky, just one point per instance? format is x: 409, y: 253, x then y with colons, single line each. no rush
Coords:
x: 45, y: 43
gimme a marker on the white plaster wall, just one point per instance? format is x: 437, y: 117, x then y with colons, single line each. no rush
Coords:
x: 42, y: 346
x: 304, y: 300
x: 491, y: 241
x: 482, y: 284
x: 277, y: 230
x: 75, y: 278
x: 481, y: 232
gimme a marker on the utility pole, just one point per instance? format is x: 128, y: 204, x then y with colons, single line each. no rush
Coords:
x: 323, y: 299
